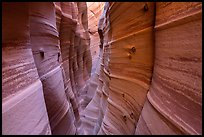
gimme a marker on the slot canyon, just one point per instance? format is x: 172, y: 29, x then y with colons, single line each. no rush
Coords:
x: 101, y: 68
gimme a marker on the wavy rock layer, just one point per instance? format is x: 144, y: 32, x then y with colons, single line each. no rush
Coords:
x: 88, y: 112
x: 48, y: 56
x: 126, y: 66
x: 46, y: 52
x: 23, y: 106
x: 101, y: 68
x: 94, y: 11
x: 173, y: 104
x: 175, y: 97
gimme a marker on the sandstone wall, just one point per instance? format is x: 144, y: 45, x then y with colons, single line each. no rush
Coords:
x: 166, y: 35
x: 128, y: 62
x: 174, y: 99
x: 46, y: 50
x: 23, y: 104
x: 94, y: 11
x: 101, y: 68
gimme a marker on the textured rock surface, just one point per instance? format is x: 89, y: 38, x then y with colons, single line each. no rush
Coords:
x: 102, y: 68
x: 175, y: 97
x: 95, y: 10
x: 125, y: 73
x: 46, y: 52
x: 173, y: 104
x: 72, y: 24
x: 23, y: 105
x: 66, y: 26
x: 44, y: 68
x: 88, y: 112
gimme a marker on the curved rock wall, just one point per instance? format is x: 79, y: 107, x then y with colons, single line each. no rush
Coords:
x: 95, y: 10
x: 101, y: 68
x: 128, y: 62
x: 173, y: 104
x: 90, y: 110
x: 76, y: 57
x: 46, y: 52
x: 23, y: 105
x: 175, y: 97
x: 48, y: 78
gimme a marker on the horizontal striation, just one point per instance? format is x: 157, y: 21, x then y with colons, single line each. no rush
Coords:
x: 46, y: 51
x: 135, y: 21
x: 128, y: 62
x: 19, y: 70
x: 25, y: 113
x: 175, y: 92
x: 23, y: 104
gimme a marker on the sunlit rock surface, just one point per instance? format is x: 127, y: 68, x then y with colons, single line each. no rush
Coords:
x: 174, y: 101
x: 101, y: 68
x: 126, y: 66
x: 173, y: 104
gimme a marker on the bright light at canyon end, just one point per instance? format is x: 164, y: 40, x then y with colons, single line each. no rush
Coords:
x: 101, y: 68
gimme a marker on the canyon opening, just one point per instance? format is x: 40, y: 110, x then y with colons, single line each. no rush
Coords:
x: 95, y: 68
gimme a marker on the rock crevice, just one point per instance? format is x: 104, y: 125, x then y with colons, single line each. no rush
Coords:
x: 101, y: 68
